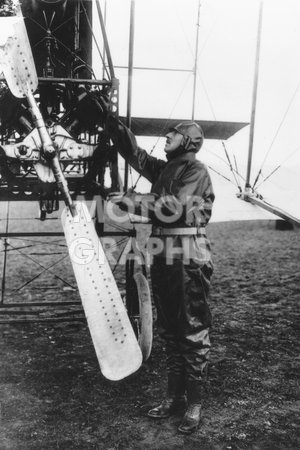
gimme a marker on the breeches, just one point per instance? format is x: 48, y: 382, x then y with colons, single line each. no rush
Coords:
x: 180, y: 294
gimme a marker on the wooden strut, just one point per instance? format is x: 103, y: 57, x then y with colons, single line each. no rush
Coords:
x: 254, y: 97
x: 5, y: 258
x: 129, y: 86
x: 272, y: 209
x: 54, y: 80
x: 249, y: 195
x: 196, y: 61
x: 5, y: 243
x: 105, y: 40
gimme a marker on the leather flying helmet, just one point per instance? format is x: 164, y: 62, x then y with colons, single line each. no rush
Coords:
x: 192, y: 133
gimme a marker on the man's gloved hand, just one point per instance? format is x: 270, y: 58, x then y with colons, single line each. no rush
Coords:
x: 110, y: 121
x: 135, y: 203
x: 104, y: 103
x: 126, y: 202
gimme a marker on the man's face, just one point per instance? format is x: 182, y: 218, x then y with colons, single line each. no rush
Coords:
x: 173, y: 141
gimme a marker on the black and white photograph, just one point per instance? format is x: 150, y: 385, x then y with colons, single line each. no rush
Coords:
x: 149, y: 224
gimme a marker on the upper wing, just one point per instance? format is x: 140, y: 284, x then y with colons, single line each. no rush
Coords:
x: 145, y: 126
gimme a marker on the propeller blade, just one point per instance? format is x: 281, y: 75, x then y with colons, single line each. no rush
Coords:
x: 16, y: 60
x: 116, y: 346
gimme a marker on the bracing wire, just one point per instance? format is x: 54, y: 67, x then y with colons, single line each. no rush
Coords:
x: 221, y: 175
x: 236, y: 168
x: 207, y: 96
x: 199, y: 52
x: 45, y: 269
x: 234, y: 171
x: 63, y: 45
x: 223, y: 160
x: 276, y: 134
x: 164, y: 127
x: 187, y: 40
x: 119, y: 258
x: 223, y: 144
x: 231, y: 167
x: 94, y: 37
x: 118, y: 244
x: 62, y: 24
x: 278, y: 167
x: 71, y: 53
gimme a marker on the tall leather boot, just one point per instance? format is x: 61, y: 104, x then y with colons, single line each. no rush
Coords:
x: 174, y: 402
x: 192, y: 417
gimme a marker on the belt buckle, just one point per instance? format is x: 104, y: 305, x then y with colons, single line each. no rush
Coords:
x: 157, y: 231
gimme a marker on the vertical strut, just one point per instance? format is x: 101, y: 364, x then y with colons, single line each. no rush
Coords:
x: 5, y: 258
x: 77, y: 24
x: 104, y: 48
x: 254, y: 96
x: 129, y: 89
x: 105, y: 40
x: 196, y: 62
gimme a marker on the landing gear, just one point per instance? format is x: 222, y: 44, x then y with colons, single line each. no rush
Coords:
x: 139, y: 307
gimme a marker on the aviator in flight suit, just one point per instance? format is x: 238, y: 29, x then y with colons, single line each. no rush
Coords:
x: 181, y: 271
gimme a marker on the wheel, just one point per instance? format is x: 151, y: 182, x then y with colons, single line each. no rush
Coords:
x: 145, y: 317
x: 139, y: 307
x: 137, y: 298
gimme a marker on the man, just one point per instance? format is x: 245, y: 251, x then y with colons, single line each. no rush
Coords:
x: 182, y: 267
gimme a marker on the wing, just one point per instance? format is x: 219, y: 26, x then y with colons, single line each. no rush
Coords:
x: 143, y: 126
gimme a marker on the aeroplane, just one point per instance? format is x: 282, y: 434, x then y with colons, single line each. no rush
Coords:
x: 61, y: 41
x: 54, y: 147
x: 69, y: 98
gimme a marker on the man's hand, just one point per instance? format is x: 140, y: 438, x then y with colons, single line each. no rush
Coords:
x: 110, y: 121
x: 124, y: 201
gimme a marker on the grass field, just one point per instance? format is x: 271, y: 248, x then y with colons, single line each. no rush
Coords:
x: 52, y: 394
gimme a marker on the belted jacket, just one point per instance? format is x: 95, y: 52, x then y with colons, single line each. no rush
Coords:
x: 181, y: 196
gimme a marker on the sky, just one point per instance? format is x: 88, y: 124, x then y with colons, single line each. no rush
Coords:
x: 165, y: 37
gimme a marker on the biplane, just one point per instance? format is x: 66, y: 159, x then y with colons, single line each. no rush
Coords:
x: 54, y: 147
x: 79, y: 161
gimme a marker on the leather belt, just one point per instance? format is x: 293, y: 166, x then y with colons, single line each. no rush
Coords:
x: 159, y: 231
